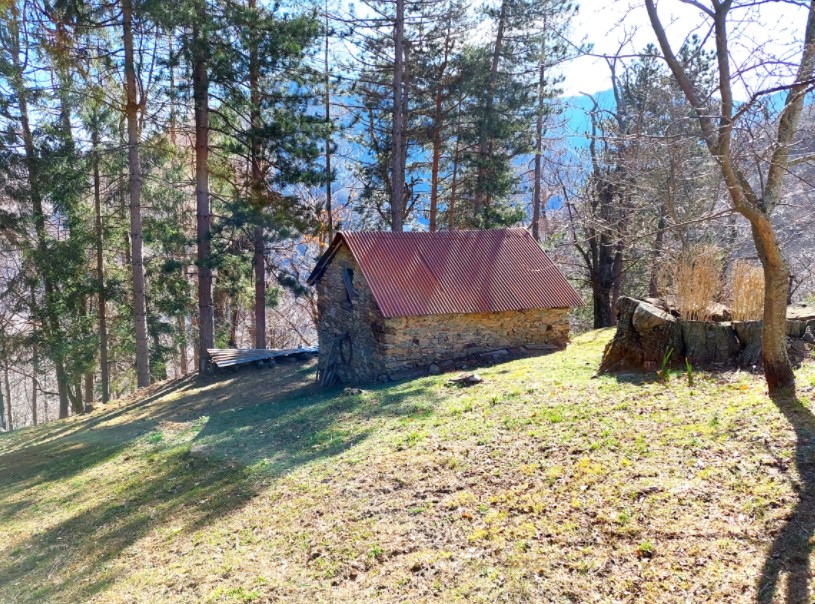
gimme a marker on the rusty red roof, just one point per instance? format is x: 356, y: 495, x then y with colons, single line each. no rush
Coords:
x: 419, y: 273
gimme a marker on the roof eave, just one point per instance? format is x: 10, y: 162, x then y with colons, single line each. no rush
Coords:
x: 325, y: 259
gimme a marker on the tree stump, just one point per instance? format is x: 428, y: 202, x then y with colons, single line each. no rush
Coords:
x: 644, y: 335
x: 749, y: 334
x: 707, y: 343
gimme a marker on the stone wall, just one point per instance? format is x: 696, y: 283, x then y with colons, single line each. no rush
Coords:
x: 422, y: 340
x: 646, y: 333
x: 359, y: 321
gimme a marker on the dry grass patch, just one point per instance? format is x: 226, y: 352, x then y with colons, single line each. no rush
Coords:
x: 747, y: 287
x: 697, y: 281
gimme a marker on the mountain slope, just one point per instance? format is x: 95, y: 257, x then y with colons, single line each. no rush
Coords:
x: 542, y: 484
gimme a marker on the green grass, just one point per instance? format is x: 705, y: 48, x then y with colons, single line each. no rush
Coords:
x: 544, y: 483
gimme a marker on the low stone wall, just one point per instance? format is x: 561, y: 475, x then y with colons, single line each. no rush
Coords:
x: 645, y: 333
x: 420, y: 341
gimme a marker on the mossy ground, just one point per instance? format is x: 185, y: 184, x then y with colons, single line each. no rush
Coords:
x: 543, y: 484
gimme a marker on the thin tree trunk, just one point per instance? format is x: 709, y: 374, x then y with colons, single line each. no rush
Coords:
x: 88, y: 398
x: 7, y: 386
x: 233, y: 325
x: 616, y: 288
x: 397, y: 147
x: 101, y: 301
x: 35, y: 359
x: 328, y: 201
x: 257, y: 194
x: 437, y: 143
x: 653, y: 285
x: 196, y: 346
x: 123, y: 210
x: 51, y: 320
x: 484, y: 136
x: 88, y: 376
x: 3, y: 426
x: 206, y: 330
x: 134, y: 167
x: 35, y: 369
x: 182, y: 347
x: 451, y: 203
x: 173, y: 118
x: 536, y: 194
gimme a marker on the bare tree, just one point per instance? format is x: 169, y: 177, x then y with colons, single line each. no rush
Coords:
x: 754, y: 202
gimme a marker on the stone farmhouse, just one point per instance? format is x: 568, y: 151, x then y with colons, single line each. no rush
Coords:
x: 393, y: 302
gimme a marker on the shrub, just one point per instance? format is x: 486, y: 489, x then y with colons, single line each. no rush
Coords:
x: 697, y: 280
x: 747, y: 288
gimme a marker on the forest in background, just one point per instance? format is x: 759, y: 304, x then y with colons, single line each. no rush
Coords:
x: 169, y: 173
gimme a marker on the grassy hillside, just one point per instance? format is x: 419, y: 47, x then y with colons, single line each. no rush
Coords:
x: 542, y: 484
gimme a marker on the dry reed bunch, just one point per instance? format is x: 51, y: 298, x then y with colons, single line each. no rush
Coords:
x: 747, y: 287
x: 697, y: 281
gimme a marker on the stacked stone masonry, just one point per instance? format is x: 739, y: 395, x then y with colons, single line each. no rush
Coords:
x: 381, y: 347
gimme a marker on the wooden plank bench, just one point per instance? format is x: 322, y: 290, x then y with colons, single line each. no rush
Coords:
x: 220, y: 358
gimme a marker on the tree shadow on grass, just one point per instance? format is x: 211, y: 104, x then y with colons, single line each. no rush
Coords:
x: 61, y: 452
x: 239, y: 446
x: 789, y: 553
x: 104, y: 413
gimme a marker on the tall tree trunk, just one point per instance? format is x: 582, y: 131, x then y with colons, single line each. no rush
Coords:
x: 88, y: 398
x: 397, y: 146
x: 200, y: 81
x: 75, y: 394
x: 196, y: 345
x: 88, y: 375
x: 7, y: 386
x: 484, y: 135
x: 3, y: 425
x: 134, y: 167
x: 35, y: 358
x: 50, y: 321
x: 653, y: 285
x: 257, y: 193
x: 617, y: 273
x: 173, y: 118
x: 329, y: 211
x: 35, y: 370
x: 451, y: 202
x: 536, y: 194
x: 182, y: 347
x: 601, y: 299
x: 437, y: 131
x: 101, y: 301
x: 233, y: 325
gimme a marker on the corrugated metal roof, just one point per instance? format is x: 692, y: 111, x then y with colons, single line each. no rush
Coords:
x: 418, y: 273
